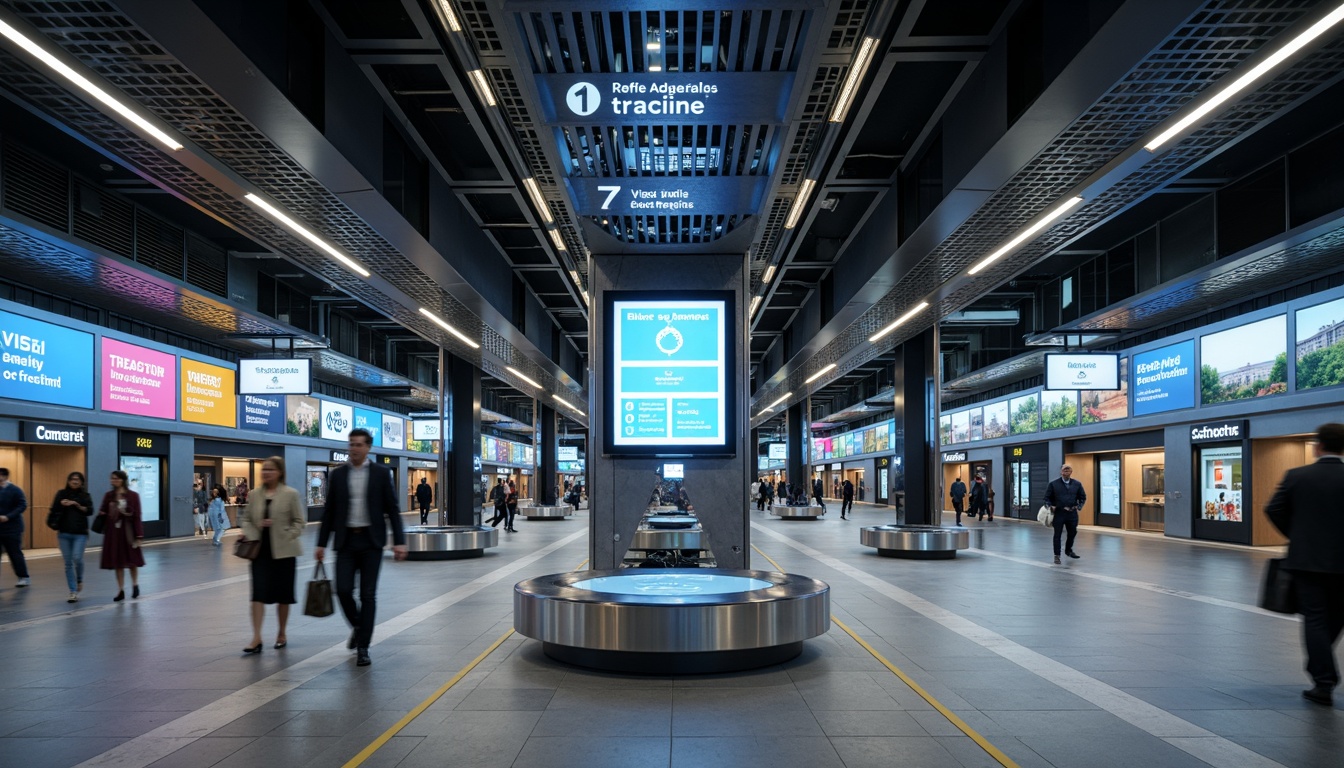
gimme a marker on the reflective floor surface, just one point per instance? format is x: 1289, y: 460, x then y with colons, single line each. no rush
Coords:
x: 1145, y: 652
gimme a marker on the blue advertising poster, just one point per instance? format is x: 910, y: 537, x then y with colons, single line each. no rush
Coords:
x: 264, y: 413
x: 1165, y: 379
x: 372, y: 421
x: 45, y: 363
x: 669, y: 382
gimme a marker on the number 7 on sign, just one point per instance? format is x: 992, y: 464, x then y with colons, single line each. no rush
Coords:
x: 612, y: 192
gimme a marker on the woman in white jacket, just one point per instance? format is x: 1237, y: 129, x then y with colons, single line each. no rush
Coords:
x: 275, y: 517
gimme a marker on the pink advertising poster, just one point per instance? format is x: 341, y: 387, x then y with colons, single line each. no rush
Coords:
x: 138, y: 381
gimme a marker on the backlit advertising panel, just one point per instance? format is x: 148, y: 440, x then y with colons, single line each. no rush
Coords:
x: 1165, y: 379
x: 337, y: 421
x: 394, y: 432
x: 303, y: 416
x: 669, y: 373
x: 275, y: 377
x: 372, y: 421
x: 45, y: 363
x: 264, y: 413
x: 1244, y: 362
x: 1082, y: 371
x: 208, y: 394
x: 138, y: 381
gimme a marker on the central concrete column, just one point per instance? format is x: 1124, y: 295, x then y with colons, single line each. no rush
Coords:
x: 544, y: 486
x: 464, y: 496
x: 717, y: 485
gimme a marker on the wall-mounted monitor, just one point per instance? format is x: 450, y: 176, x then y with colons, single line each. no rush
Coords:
x: 1154, y: 479
x: 275, y: 377
x: 1082, y: 371
x: 778, y: 450
x: 669, y: 373
x: 567, y: 453
x: 674, y: 472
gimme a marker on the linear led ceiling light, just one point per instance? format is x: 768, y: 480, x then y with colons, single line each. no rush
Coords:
x: 557, y: 239
x: 856, y: 73
x: 1025, y: 234
x: 534, y: 192
x: 756, y: 302
x: 769, y: 273
x: 1246, y: 80
x: 449, y: 16
x: 482, y: 86
x: 439, y: 321
x: 818, y: 374
x: 307, y: 234
x: 567, y: 404
x: 771, y: 406
x: 86, y: 85
x: 799, y: 202
x: 923, y: 305
x: 521, y: 375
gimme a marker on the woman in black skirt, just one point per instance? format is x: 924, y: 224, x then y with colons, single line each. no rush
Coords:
x: 274, y: 516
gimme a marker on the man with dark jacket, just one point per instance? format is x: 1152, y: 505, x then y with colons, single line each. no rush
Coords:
x: 12, y: 505
x: 846, y: 499
x: 1306, y: 508
x: 958, y: 497
x: 424, y: 496
x: 497, y: 495
x: 817, y: 490
x: 1066, y: 496
x: 361, y: 506
x: 980, y: 499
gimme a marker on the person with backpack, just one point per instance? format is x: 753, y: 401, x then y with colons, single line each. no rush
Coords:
x: 69, y: 517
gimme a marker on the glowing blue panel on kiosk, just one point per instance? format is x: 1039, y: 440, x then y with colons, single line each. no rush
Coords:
x: 672, y: 585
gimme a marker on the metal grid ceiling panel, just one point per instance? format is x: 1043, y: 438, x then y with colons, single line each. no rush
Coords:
x: 1212, y: 42
x: 109, y: 43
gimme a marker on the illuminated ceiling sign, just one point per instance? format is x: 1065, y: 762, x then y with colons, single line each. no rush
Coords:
x: 659, y: 98
x: 666, y: 196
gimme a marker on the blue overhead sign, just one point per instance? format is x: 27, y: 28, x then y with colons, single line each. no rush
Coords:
x: 666, y: 195
x: 665, y: 98
x: 1165, y: 379
x: 45, y: 363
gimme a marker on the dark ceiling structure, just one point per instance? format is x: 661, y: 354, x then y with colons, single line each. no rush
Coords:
x: 462, y: 155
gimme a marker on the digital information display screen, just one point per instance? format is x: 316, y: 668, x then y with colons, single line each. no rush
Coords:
x: 669, y: 373
x: 1098, y: 371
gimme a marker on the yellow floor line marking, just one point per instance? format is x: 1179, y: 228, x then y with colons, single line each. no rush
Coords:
x: 951, y: 716
x: 420, y: 708
x: 378, y: 743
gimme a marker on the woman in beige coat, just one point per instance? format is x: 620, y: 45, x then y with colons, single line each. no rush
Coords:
x: 275, y: 516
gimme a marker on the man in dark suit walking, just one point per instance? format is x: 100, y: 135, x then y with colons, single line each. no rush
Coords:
x: 1306, y: 507
x: 846, y: 499
x: 1066, y: 496
x: 817, y: 490
x: 424, y: 496
x: 361, y: 504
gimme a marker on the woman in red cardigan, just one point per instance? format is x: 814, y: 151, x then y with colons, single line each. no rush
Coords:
x: 122, y: 533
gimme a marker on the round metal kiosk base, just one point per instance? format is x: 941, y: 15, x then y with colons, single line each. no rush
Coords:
x: 916, y: 542
x: 673, y: 621
x: 791, y: 512
x: 452, y: 542
x: 547, y: 512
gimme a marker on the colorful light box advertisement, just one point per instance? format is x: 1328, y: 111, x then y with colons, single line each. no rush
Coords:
x: 45, y: 363
x: 208, y: 394
x: 138, y: 381
x: 372, y: 421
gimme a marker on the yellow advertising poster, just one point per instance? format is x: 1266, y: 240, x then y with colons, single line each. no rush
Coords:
x: 209, y: 394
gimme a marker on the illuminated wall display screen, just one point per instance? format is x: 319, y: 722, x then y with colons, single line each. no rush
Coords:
x: 138, y: 381
x: 674, y: 472
x: 275, y: 377
x: 1082, y: 371
x: 45, y: 363
x: 669, y: 375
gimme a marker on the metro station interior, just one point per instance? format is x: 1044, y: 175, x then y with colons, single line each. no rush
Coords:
x: 736, y: 296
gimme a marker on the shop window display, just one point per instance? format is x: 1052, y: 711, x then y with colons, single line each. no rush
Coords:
x: 1220, y: 484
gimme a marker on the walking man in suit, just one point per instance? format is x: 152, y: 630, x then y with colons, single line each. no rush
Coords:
x: 424, y: 496
x: 846, y: 499
x: 817, y: 489
x: 1066, y: 496
x: 361, y: 504
x: 1306, y: 508
x: 958, y: 498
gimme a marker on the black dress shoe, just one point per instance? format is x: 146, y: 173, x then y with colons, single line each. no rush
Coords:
x: 362, y: 658
x: 120, y: 596
x: 350, y: 644
x: 135, y: 590
x: 254, y: 649
x: 1073, y: 555
x: 1319, y: 695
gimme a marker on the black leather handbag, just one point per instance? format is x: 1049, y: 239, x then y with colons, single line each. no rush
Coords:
x: 1278, y: 594
x: 248, y: 549
x: 318, y: 601
x: 99, y: 523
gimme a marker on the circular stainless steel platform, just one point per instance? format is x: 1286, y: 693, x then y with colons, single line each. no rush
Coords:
x: 791, y: 512
x: 669, y: 538
x: 918, y: 542
x: 555, y: 512
x: 673, y: 621
x: 453, y: 542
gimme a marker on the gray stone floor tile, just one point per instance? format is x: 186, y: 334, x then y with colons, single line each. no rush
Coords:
x: 1188, y: 698
x: 754, y: 752
x: 586, y: 752
x: 1098, y: 750
x: 1294, y: 752
x: 507, y: 699
x: 1262, y: 724
x: 277, y: 750
x: 471, y: 739
x: 55, y: 752
x: 605, y: 722
x: 1043, y: 722
x: 254, y: 724
x: 698, y: 722
x: 971, y: 755
x: 869, y: 723
x: 203, y: 752
x: 886, y: 751
x: 1039, y: 696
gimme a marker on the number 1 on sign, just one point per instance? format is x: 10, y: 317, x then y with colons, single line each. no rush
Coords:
x: 611, y: 195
